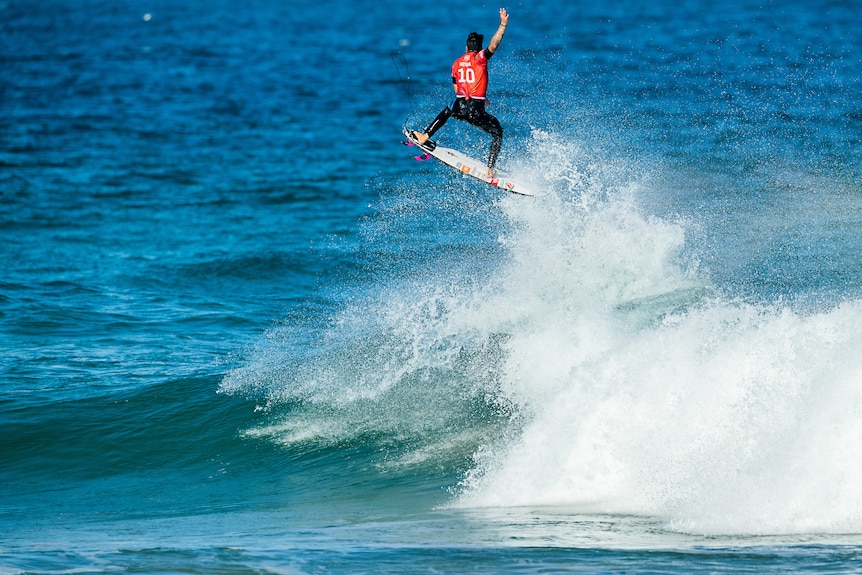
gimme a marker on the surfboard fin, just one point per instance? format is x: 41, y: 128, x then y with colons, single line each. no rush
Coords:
x: 423, y: 157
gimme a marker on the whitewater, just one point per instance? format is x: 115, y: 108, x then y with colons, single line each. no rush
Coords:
x: 619, y: 377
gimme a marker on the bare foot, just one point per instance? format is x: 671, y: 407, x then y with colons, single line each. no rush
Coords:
x: 490, y: 173
x: 420, y: 137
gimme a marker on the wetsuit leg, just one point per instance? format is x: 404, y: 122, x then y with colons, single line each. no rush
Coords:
x: 474, y: 113
x: 438, y: 121
x: 493, y: 127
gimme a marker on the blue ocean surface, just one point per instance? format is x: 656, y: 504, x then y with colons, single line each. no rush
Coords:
x: 244, y: 332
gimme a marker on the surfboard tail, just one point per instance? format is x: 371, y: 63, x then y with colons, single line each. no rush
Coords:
x: 423, y: 157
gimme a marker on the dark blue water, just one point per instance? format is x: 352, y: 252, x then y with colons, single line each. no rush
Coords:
x: 244, y: 332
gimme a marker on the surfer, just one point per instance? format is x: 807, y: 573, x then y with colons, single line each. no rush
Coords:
x: 470, y: 81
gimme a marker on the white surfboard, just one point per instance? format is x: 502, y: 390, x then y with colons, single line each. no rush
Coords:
x: 466, y: 165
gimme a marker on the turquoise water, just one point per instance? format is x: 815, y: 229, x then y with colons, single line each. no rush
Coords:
x: 244, y: 332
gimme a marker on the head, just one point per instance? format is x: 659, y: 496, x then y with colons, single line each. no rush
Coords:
x: 474, y: 42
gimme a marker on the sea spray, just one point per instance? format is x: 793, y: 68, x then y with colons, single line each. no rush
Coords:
x: 591, y: 365
x: 717, y: 415
x: 440, y: 355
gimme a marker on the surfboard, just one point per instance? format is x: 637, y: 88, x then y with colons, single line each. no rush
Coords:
x: 466, y: 165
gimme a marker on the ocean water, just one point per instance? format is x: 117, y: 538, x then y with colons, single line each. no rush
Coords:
x: 243, y: 331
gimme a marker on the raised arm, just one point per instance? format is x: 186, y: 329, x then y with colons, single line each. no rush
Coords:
x: 501, y: 29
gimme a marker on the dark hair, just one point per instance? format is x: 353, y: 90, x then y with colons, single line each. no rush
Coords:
x: 474, y: 42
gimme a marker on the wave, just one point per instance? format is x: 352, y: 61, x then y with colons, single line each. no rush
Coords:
x: 726, y: 418
x: 168, y: 428
x: 591, y: 363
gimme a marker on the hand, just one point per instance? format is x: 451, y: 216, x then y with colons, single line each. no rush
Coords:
x: 504, y: 17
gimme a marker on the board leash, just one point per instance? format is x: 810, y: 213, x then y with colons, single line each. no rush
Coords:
x: 398, y: 59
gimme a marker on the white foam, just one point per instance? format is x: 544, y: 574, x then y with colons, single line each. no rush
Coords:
x: 716, y: 415
x: 633, y: 386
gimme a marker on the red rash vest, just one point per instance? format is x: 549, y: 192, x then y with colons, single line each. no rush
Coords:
x: 470, y: 75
